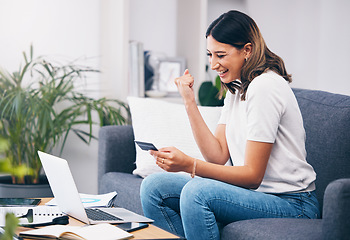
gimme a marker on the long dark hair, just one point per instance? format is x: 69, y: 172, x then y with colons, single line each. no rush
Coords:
x: 238, y: 29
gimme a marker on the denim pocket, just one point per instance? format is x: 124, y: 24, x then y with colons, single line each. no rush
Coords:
x: 310, y: 204
x: 305, y: 203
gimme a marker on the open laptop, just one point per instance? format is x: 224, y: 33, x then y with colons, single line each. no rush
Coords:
x: 68, y: 199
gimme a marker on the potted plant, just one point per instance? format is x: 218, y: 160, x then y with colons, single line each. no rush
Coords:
x: 208, y: 93
x: 40, y: 106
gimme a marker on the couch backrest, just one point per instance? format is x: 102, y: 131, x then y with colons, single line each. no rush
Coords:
x: 327, y: 125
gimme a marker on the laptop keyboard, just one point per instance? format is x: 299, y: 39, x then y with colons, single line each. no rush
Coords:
x: 99, y: 215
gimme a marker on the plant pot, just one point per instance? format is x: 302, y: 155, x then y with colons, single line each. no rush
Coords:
x: 10, y: 190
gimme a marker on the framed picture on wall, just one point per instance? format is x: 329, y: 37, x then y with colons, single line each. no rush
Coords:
x: 169, y: 69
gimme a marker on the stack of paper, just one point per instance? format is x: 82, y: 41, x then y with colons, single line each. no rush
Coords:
x: 93, y: 200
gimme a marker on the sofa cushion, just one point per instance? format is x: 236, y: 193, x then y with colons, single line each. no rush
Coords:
x: 327, y: 125
x: 116, y: 149
x: 274, y: 229
x: 165, y: 124
x: 127, y: 187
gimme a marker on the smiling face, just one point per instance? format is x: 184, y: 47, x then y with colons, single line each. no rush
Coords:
x: 225, y: 59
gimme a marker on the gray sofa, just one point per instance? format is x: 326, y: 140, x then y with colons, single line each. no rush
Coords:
x: 327, y: 124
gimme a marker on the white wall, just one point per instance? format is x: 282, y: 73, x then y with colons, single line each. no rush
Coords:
x: 153, y: 22
x: 191, y: 43
x: 311, y: 36
x: 59, y: 28
x: 53, y: 27
x: 334, y: 47
x: 114, y: 48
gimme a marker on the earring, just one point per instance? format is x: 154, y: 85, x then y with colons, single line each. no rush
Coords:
x: 246, y: 59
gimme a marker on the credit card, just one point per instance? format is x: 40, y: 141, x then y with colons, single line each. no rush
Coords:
x: 146, y: 146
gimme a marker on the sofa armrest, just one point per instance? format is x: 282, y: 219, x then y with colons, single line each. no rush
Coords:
x: 336, y: 210
x: 116, y: 150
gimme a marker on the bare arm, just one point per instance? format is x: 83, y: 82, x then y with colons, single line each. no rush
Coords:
x: 248, y: 176
x: 213, y: 147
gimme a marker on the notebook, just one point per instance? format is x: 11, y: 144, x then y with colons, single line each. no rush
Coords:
x: 68, y: 199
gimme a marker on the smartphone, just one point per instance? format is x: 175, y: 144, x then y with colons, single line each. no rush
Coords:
x: 11, y: 202
x: 146, y: 146
x: 132, y: 226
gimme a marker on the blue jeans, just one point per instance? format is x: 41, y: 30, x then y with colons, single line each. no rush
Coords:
x: 193, y: 207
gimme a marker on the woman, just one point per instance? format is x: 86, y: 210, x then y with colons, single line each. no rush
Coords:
x: 260, y: 129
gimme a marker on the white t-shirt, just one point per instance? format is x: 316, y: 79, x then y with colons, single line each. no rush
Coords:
x: 270, y: 114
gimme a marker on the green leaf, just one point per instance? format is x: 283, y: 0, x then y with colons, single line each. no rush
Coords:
x: 208, y: 95
x: 11, y: 225
x: 218, y: 83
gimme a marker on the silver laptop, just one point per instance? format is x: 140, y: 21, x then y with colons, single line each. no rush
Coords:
x: 68, y: 199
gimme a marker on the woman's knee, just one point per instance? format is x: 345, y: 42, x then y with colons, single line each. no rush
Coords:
x: 201, y: 192
x: 151, y: 183
x: 194, y: 193
x: 161, y: 183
